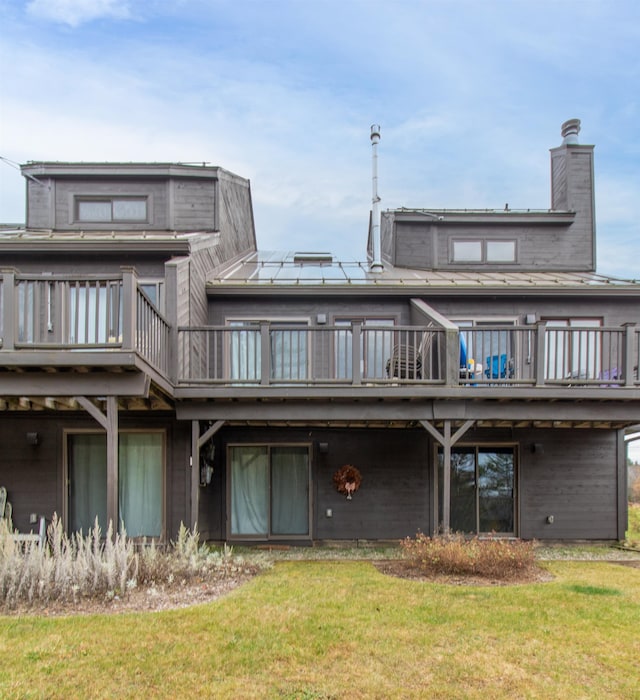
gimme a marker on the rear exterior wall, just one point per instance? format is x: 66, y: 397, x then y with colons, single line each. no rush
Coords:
x: 575, y: 475
x: 34, y: 474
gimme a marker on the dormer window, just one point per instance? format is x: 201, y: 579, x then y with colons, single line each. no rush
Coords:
x: 483, y: 251
x: 111, y: 209
x: 501, y: 251
x: 467, y: 251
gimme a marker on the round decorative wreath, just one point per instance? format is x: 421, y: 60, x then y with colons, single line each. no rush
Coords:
x: 347, y: 480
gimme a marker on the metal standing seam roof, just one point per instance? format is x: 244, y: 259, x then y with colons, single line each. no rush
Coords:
x: 14, y: 235
x: 273, y: 269
x: 289, y: 269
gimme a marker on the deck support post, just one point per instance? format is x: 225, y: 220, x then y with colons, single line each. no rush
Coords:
x: 112, y: 463
x: 447, y: 440
x: 109, y: 422
x: 197, y: 441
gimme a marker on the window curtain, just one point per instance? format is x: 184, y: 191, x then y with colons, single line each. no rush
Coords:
x: 26, y: 315
x: 379, y: 347
x: 140, y: 483
x: 289, y: 491
x: 244, y: 350
x: 289, y: 353
x: 87, y: 482
x: 375, y: 348
x: 344, y: 355
x: 249, y: 490
x: 88, y: 314
x: 572, y: 353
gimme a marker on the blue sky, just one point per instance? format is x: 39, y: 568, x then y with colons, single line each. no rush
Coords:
x: 470, y: 96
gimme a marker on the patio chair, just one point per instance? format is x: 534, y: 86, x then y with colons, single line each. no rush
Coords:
x: 498, y: 367
x: 612, y: 375
x: 404, y: 363
x: 6, y: 513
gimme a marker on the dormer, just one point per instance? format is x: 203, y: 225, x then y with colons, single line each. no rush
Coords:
x: 561, y: 238
x: 128, y: 196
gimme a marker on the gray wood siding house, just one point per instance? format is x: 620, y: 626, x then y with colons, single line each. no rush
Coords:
x: 156, y: 368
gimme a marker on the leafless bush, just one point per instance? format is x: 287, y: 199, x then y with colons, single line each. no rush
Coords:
x: 457, y: 555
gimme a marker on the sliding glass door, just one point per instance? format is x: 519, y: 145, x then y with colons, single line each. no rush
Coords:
x: 140, y: 484
x: 482, y: 489
x: 269, y: 491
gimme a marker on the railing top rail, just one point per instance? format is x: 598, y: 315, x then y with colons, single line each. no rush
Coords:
x: 154, y: 308
x: 596, y: 329
x: 324, y: 327
x: 432, y: 315
x: 65, y: 277
x: 397, y: 327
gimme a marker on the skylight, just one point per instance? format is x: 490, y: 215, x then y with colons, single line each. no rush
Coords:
x: 312, y: 258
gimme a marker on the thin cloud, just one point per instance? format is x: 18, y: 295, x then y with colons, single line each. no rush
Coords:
x: 77, y: 12
x: 283, y: 92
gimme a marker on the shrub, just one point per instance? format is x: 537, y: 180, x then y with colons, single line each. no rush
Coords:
x: 457, y: 555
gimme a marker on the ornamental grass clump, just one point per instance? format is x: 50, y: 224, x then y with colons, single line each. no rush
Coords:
x: 458, y: 555
x: 69, y: 568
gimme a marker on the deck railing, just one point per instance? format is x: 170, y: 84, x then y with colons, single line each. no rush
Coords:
x: 107, y: 312
x: 264, y: 353
x: 152, y: 333
x: 81, y: 312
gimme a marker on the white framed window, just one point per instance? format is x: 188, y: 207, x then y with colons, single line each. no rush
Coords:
x: 467, y: 251
x: 482, y: 250
x: 111, y: 209
x: 500, y: 251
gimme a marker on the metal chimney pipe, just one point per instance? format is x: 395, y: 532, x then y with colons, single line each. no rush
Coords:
x: 570, y: 130
x: 376, y: 262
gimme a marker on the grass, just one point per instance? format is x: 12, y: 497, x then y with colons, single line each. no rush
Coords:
x: 341, y: 629
x: 633, y: 533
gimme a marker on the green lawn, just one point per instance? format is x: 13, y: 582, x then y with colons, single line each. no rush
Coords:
x: 342, y: 630
x: 633, y: 533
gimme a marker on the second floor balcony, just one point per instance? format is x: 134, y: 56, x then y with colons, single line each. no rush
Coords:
x: 278, y: 354
x: 52, y: 322
x: 63, y: 320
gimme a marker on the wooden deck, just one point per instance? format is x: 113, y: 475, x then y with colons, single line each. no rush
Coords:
x: 60, y: 324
